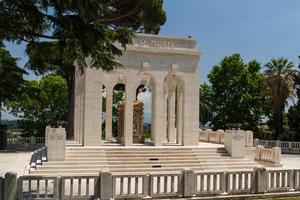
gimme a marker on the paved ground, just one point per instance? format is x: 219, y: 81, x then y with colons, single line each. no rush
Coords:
x: 14, y: 161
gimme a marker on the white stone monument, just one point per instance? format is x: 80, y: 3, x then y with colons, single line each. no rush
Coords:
x: 169, y: 66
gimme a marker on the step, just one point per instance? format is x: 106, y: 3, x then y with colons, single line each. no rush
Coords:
x: 144, y: 161
x: 140, y: 165
x: 153, y: 154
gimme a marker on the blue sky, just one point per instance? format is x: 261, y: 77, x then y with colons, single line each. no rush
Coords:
x: 257, y: 29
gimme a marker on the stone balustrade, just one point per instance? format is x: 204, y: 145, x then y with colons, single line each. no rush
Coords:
x: 286, y: 146
x: 268, y: 155
x: 27, y: 140
x: 217, y: 137
x: 187, y: 183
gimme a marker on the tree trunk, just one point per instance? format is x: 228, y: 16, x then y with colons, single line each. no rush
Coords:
x: 278, y: 124
x: 70, y: 117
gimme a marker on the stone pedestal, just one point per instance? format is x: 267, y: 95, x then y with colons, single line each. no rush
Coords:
x: 56, y: 144
x: 234, y: 143
x: 138, y: 122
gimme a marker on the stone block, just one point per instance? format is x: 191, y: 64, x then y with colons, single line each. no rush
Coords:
x: 105, y: 185
x: 260, y: 183
x: 56, y: 144
x: 234, y: 143
x: 10, y: 186
x: 188, y: 182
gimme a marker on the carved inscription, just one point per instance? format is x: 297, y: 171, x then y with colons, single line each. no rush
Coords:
x: 157, y: 43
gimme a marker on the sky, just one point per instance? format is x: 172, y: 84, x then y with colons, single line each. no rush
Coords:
x: 257, y: 29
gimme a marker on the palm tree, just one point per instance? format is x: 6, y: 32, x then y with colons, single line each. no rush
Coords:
x: 205, y: 104
x: 279, y: 86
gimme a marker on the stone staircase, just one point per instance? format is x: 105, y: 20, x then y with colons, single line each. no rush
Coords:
x: 91, y: 160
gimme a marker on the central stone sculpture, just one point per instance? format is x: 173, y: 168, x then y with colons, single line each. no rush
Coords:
x: 138, y: 122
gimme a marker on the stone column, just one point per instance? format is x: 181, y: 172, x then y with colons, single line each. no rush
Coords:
x: 108, y: 114
x: 128, y: 114
x: 171, y: 116
x: 158, y: 111
x: 165, y: 113
x: 179, y: 116
x: 92, y: 113
x: 190, y: 110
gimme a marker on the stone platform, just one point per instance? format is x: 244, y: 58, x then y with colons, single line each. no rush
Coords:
x: 141, y: 158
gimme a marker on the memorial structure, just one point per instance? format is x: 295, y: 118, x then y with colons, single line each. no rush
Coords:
x: 167, y: 65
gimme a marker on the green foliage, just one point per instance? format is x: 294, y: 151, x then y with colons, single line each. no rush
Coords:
x: 294, y: 110
x: 279, y: 86
x: 11, y: 77
x: 42, y: 102
x: 205, y: 103
x: 236, y: 93
x: 91, y: 26
x: 59, y: 33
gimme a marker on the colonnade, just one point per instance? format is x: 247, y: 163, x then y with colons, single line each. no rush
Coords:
x: 167, y: 106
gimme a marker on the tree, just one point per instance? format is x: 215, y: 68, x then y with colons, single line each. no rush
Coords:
x: 294, y: 110
x: 60, y: 32
x: 11, y: 77
x: 279, y: 86
x: 205, y: 103
x: 42, y: 102
x: 236, y: 93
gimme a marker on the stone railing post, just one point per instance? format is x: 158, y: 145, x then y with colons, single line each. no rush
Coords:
x: 223, y: 183
x: 292, y: 179
x: 258, y: 152
x: 260, y: 180
x: 220, y: 133
x: 277, y: 143
x: 10, y: 186
x: 276, y: 155
x: 188, y: 185
x: 255, y: 142
x: 106, y: 186
x: 1, y: 187
x: 56, y: 144
x: 248, y: 138
x: 146, y: 185
x: 46, y: 135
x: 32, y: 140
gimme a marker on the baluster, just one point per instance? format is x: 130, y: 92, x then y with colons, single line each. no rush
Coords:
x: 38, y: 188
x: 172, y: 184
x: 208, y: 182
x: 46, y: 188
x: 165, y: 184
x: 87, y: 186
x: 129, y: 185
x: 215, y: 180
x: 29, y: 187
x: 136, y: 187
x: 202, y: 182
x: 233, y: 181
x: 158, y: 184
x: 79, y: 186
x: 247, y: 181
x: 283, y: 181
x: 71, y: 187
x: 121, y: 185
x: 272, y: 174
x: 278, y: 179
x: 240, y: 178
